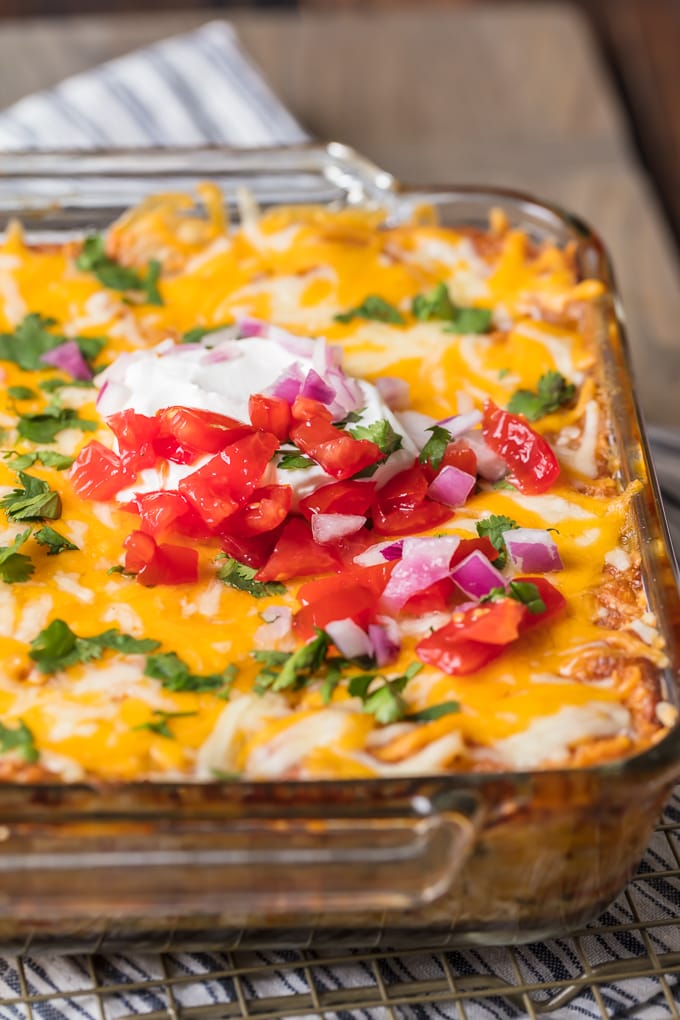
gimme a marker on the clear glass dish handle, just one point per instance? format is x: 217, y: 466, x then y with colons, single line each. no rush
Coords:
x: 394, y: 861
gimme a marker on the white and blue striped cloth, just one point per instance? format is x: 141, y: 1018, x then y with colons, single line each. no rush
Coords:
x: 191, y: 90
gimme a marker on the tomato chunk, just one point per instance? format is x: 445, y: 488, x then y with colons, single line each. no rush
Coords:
x: 160, y: 511
x: 533, y: 465
x: 338, y: 453
x: 265, y: 509
x: 473, y: 637
x: 154, y: 563
x: 333, y: 598
x: 305, y: 408
x: 253, y: 550
x: 270, y: 414
x: 483, y: 545
x: 98, y: 473
x: 186, y: 432
x: 554, y: 601
x: 401, y: 507
x: 350, y: 497
x: 136, y: 435
x: 458, y: 454
x: 296, y: 554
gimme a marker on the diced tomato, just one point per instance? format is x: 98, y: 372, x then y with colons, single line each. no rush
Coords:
x: 305, y: 408
x: 338, y: 453
x: 253, y: 550
x: 155, y: 563
x: 457, y: 658
x: 553, y: 600
x: 533, y: 465
x: 350, y: 497
x: 458, y: 454
x: 333, y: 598
x: 472, y: 637
x: 160, y: 511
x: 98, y: 473
x: 136, y: 434
x: 217, y: 489
x: 296, y: 554
x: 186, y: 432
x: 270, y: 414
x: 435, y: 599
x: 494, y: 623
x: 401, y: 507
x: 483, y: 545
x: 265, y: 509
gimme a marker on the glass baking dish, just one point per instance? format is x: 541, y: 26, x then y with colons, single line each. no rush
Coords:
x: 475, y: 858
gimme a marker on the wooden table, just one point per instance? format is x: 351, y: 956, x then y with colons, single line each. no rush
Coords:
x: 508, y: 94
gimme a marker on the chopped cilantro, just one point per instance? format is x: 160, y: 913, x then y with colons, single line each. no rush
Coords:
x: 55, y: 383
x: 192, y: 336
x: 44, y: 426
x: 521, y: 591
x: 552, y: 392
x: 32, y: 338
x: 49, y: 458
x: 291, y: 669
x: 437, y: 304
x: 20, y: 739
x: 33, y: 502
x: 502, y: 484
x: 55, y: 542
x: 435, y: 448
x: 434, y: 712
x: 294, y: 462
x: 381, y: 433
x: 15, y: 566
x: 492, y: 528
x: 471, y: 320
x: 373, y: 307
x: 57, y: 647
x: 242, y: 577
x: 159, y: 723
x: 175, y: 675
x: 384, y: 702
x: 502, y: 372
x: 93, y: 259
x: 349, y: 418
x: 20, y: 393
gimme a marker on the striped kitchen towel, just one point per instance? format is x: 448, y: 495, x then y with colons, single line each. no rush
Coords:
x: 202, y: 88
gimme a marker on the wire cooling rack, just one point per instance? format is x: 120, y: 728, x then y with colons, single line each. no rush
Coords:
x: 626, y: 964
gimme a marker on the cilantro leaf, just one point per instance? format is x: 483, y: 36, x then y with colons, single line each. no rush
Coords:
x: 15, y: 566
x: 55, y: 542
x: 384, y: 702
x: 192, y: 336
x: 373, y: 307
x: 286, y: 669
x: 44, y: 426
x: 238, y: 575
x: 32, y: 338
x: 33, y: 502
x: 20, y: 739
x: 471, y: 320
x: 93, y: 259
x: 294, y: 462
x: 57, y: 647
x: 492, y: 528
x: 437, y: 304
x: 525, y: 592
x: 503, y: 483
x: 20, y: 393
x: 435, y: 448
x: 49, y: 458
x: 433, y: 712
x: 55, y: 383
x: 159, y: 724
x: 381, y: 433
x: 175, y: 675
x: 552, y: 392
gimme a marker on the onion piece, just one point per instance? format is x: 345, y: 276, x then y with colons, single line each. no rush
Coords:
x: 249, y: 327
x: 277, y: 624
x: 287, y: 385
x: 424, y: 561
x: 68, y: 357
x: 326, y: 356
x: 328, y: 528
x: 349, y: 638
x: 381, y: 552
x: 532, y: 550
x: 315, y: 388
x: 395, y: 392
x: 416, y: 426
x: 384, y: 637
x: 451, y: 486
x: 475, y: 576
x: 457, y: 424
x: 489, y: 465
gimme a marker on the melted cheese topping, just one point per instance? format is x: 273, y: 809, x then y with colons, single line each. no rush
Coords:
x: 298, y: 268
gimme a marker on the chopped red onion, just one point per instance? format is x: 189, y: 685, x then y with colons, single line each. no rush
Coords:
x: 451, y: 486
x: 328, y: 528
x: 424, y: 561
x: 316, y: 388
x: 475, y: 576
x: 277, y: 624
x: 348, y: 393
x: 326, y: 356
x: 302, y: 346
x: 248, y: 327
x: 381, y: 552
x: 532, y: 550
x: 395, y: 392
x: 385, y: 640
x: 288, y: 384
x: 460, y: 423
x: 416, y: 426
x: 68, y: 357
x: 489, y: 465
x: 348, y: 637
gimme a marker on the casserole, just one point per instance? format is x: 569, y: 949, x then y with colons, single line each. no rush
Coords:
x: 485, y: 854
